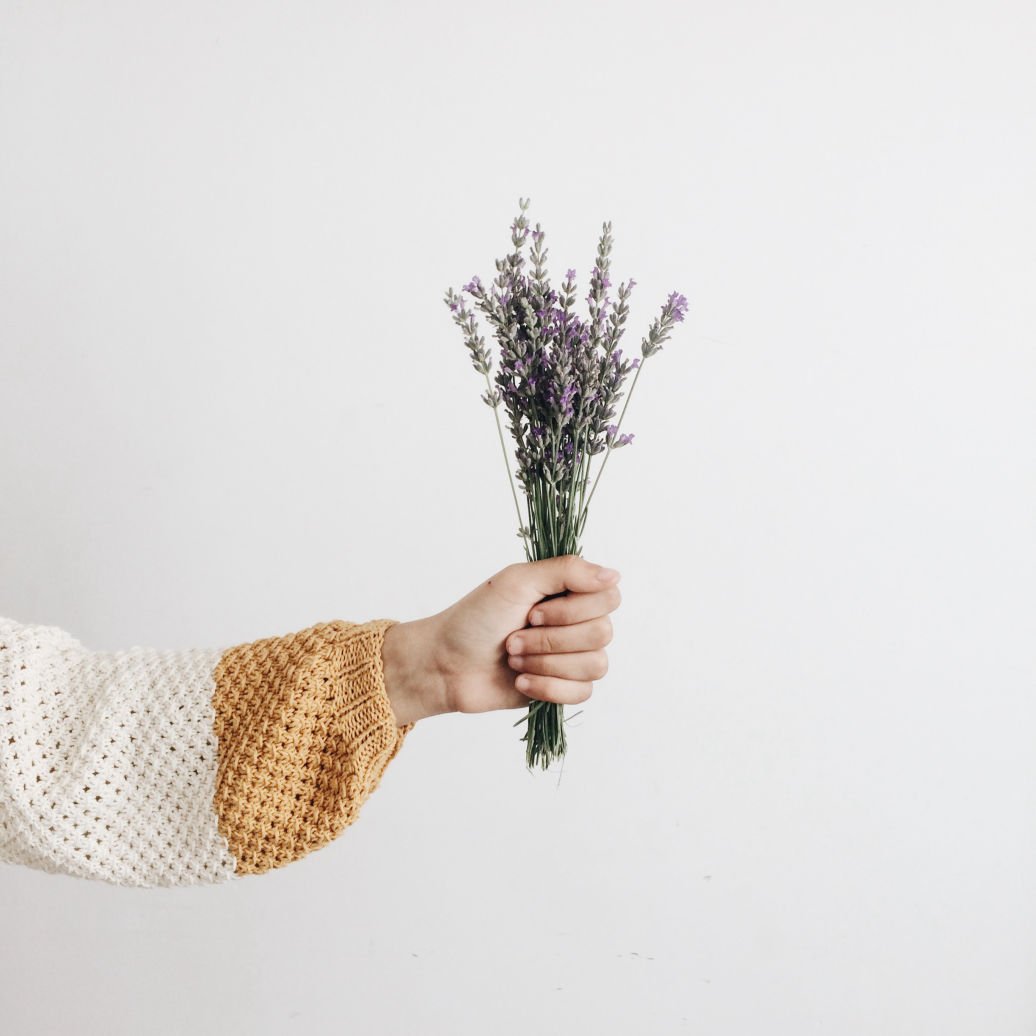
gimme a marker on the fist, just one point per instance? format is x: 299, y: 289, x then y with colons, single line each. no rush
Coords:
x: 536, y: 629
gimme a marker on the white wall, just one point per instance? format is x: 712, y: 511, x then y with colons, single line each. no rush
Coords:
x: 804, y: 798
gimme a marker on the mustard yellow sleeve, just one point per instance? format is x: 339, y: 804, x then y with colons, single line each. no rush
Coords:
x: 305, y: 731
x: 152, y: 767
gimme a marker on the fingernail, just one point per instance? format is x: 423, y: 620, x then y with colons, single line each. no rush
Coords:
x: 607, y: 573
x: 516, y: 645
x: 522, y: 683
x: 536, y: 619
x: 514, y: 661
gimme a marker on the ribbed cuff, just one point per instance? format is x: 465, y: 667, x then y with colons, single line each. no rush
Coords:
x: 373, y: 738
x: 305, y: 731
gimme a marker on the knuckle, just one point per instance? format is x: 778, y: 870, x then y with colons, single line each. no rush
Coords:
x: 614, y: 597
x: 508, y: 577
x: 534, y: 688
x: 600, y: 666
x: 606, y: 631
x: 547, y: 643
x: 584, y: 694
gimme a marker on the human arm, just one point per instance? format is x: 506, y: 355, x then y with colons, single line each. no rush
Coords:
x: 168, y: 767
x: 158, y: 767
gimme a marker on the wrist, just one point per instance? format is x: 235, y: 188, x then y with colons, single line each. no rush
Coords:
x: 414, y: 681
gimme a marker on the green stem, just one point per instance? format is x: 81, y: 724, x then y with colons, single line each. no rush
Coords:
x: 572, y: 486
x: 618, y: 428
x: 582, y: 493
x: 572, y: 513
x: 510, y: 477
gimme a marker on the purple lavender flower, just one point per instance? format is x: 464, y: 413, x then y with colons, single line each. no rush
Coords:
x: 673, y: 311
x: 615, y: 442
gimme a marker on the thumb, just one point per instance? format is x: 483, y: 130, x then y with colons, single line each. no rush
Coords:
x: 533, y: 580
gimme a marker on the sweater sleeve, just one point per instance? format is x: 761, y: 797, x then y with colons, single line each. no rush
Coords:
x: 178, y: 767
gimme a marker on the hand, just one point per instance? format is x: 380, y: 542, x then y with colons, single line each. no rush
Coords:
x: 465, y: 658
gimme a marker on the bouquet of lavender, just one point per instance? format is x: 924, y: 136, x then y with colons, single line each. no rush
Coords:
x: 559, y: 381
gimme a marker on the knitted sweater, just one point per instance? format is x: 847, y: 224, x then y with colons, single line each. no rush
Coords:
x: 178, y: 767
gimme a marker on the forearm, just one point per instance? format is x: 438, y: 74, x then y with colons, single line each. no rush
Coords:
x: 413, y: 678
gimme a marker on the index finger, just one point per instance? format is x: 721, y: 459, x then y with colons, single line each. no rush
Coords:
x: 575, y: 607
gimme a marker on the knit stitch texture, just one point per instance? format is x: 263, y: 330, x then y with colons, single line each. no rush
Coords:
x: 174, y: 767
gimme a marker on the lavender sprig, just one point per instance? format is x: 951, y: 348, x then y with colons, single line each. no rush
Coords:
x: 674, y: 310
x: 482, y: 362
x: 559, y: 381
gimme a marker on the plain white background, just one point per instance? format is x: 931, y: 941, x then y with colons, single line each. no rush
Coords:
x: 803, y: 801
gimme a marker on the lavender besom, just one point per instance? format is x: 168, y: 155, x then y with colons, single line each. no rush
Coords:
x: 559, y: 380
